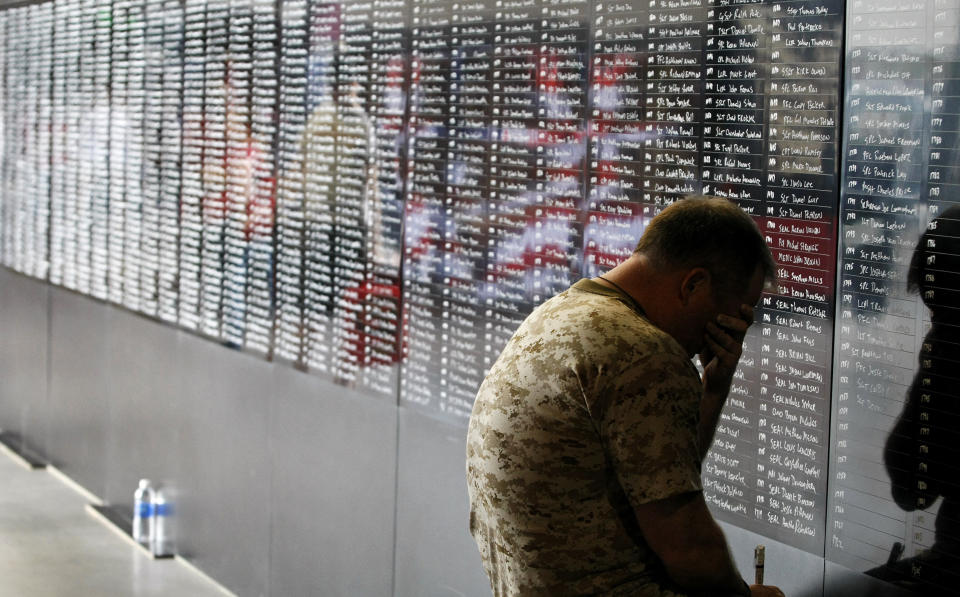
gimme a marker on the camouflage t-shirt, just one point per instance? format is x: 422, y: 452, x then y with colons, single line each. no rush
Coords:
x: 589, y: 411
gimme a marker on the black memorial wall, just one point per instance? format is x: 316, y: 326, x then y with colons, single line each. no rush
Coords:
x: 379, y: 191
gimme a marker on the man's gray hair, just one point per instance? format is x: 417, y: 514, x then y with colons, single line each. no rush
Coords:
x: 712, y: 233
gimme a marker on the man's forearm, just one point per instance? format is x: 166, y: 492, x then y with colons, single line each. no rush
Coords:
x: 705, y: 564
x: 686, y: 538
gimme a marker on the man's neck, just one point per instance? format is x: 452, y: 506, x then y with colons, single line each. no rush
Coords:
x: 652, y: 289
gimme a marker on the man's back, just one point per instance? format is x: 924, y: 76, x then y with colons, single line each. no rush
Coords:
x: 589, y: 411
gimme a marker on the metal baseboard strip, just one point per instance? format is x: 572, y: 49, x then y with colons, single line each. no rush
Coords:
x: 66, y: 480
x: 113, y: 519
x: 119, y: 524
x: 13, y: 444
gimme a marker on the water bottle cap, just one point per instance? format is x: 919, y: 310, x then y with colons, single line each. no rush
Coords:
x: 144, y: 483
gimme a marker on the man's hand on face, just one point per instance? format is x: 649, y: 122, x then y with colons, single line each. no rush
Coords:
x: 723, y: 345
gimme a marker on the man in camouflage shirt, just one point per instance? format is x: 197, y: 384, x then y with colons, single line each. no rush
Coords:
x: 586, y: 439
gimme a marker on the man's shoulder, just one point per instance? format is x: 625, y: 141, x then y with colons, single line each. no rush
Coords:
x: 593, y: 312
x: 603, y: 324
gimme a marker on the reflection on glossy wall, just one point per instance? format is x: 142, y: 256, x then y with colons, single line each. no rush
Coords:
x: 892, y: 507
x: 379, y: 191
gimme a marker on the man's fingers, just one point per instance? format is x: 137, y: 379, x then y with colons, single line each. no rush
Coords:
x: 728, y: 353
x: 734, y: 324
x: 730, y: 339
x: 730, y: 322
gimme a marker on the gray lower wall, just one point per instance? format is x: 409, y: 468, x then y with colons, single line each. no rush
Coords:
x: 284, y: 484
x: 24, y: 358
x: 436, y: 555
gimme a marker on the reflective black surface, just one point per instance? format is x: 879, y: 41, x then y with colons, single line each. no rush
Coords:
x: 380, y: 191
x: 892, y: 499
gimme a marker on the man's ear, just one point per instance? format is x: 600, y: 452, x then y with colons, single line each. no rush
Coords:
x: 696, y: 283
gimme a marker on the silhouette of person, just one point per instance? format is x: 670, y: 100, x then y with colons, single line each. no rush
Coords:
x: 922, y: 453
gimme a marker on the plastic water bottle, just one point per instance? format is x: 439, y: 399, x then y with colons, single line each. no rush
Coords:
x: 161, y: 545
x: 143, y: 519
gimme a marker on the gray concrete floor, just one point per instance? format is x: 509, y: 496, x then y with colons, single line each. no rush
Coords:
x: 51, y: 547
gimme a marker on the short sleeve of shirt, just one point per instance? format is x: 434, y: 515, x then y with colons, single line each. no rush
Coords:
x: 650, y: 428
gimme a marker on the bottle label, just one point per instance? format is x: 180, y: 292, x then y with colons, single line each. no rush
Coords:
x: 162, y: 509
x: 144, y: 510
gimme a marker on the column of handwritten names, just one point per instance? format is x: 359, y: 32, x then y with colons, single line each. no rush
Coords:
x: 262, y: 178
x: 290, y: 216
x: 618, y: 138
x: 563, y: 93
x: 80, y: 170
x: 117, y: 152
x: 354, y: 184
x: 170, y: 140
x: 130, y: 108
x: 63, y: 227
x: 877, y: 335
x: 152, y: 135
x: 191, y: 179
x: 319, y: 183
x: 736, y: 67
x: 800, y: 211
x: 466, y: 204
x: 424, y: 206
x: 213, y: 205
x: 41, y: 62
x: 238, y: 171
x: 380, y: 323
x: 97, y: 15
